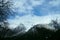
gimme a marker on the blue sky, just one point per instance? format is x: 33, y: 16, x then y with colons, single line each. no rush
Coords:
x: 36, y: 7
x: 31, y: 12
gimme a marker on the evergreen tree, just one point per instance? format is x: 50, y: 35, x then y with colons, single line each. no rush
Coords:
x: 4, y: 9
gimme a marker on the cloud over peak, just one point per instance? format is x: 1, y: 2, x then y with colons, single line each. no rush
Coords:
x: 32, y: 8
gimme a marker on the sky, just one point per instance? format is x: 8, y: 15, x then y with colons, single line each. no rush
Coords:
x: 32, y: 12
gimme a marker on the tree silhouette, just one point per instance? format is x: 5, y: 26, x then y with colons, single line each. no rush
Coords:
x: 55, y: 24
x: 4, y: 10
x: 4, y: 13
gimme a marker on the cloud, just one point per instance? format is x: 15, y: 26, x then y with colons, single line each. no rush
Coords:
x: 36, y: 2
x: 29, y: 20
x: 54, y: 3
x: 29, y: 7
x: 25, y: 6
x: 53, y: 6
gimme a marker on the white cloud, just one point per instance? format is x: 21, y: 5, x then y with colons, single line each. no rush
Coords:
x: 54, y: 3
x: 30, y: 20
x: 24, y: 6
x: 36, y: 2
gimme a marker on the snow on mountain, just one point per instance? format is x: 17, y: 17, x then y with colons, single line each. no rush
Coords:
x: 20, y: 28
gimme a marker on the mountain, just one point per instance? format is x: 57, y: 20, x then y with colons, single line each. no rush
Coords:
x: 20, y: 30
x: 5, y: 32
x: 55, y: 36
x: 37, y: 33
x: 49, y: 31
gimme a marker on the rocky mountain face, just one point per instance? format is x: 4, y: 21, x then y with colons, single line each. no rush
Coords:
x: 38, y: 33
x: 20, y: 28
x: 5, y: 32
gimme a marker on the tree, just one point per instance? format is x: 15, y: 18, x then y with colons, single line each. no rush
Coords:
x: 4, y: 9
x: 4, y: 13
x: 56, y: 24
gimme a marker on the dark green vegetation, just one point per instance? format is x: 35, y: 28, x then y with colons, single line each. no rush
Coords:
x: 35, y: 33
